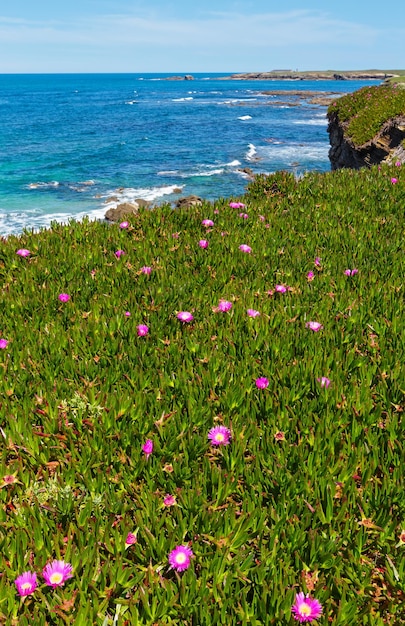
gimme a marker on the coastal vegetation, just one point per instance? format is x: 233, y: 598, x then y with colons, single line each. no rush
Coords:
x: 202, y: 411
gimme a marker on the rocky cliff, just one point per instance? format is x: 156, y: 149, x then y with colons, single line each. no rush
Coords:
x: 387, y: 145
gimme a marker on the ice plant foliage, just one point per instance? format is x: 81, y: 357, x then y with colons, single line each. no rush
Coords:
x: 57, y: 573
x: 305, y: 608
x: 180, y: 558
x: 26, y: 583
x: 219, y: 436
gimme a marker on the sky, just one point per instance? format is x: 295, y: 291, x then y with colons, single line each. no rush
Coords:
x: 185, y: 37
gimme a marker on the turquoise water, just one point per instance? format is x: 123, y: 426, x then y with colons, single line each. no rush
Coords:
x: 74, y: 145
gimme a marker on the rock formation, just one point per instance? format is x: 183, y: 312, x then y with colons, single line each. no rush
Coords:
x: 387, y: 145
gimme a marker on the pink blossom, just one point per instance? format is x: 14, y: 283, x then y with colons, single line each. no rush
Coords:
x: 119, y: 253
x: 185, y: 316
x: 26, y: 583
x: 124, y: 224
x: 253, y: 313
x: 262, y: 218
x: 169, y: 500
x: 127, y: 314
x: 56, y: 573
x: 317, y: 261
x: 306, y: 609
x: 324, y: 381
x: 130, y: 540
x: 180, y: 557
x: 147, y: 448
x: 262, y: 382
x: 219, y: 436
x: 224, y: 306
x: 398, y: 163
x: 310, y: 276
x: 23, y: 252
x: 244, y: 248
x: 236, y: 205
x: 351, y: 272
x: 315, y: 326
x: 244, y: 215
x: 280, y: 288
x: 142, y: 330
x: 203, y: 243
x: 146, y: 270
x: 207, y: 223
x: 394, y: 180
x: 64, y: 297
x: 3, y: 344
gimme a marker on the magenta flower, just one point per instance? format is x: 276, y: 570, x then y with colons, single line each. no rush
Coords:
x: 306, y: 609
x: 23, y: 252
x: 147, y: 448
x: 280, y: 288
x: 224, y: 306
x: 26, y: 583
x: 219, y: 436
x: 394, y: 180
x: 315, y: 326
x: 185, y: 316
x: 236, y: 205
x: 127, y: 314
x: 207, y: 223
x: 203, y: 243
x: 398, y: 163
x: 244, y: 248
x: 3, y: 344
x: 310, y: 276
x: 124, y: 224
x: 179, y: 558
x: 324, y: 381
x: 146, y: 270
x: 119, y: 253
x: 317, y: 261
x: 64, y: 297
x: 169, y: 500
x: 351, y: 272
x: 262, y: 382
x: 253, y: 313
x: 56, y: 573
x: 142, y: 330
x: 262, y: 218
x: 130, y: 540
x: 243, y: 215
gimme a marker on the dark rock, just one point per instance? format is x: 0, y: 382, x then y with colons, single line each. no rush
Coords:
x: 188, y: 77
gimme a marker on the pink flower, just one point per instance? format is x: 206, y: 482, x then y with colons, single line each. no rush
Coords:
x: 169, y: 500
x: 244, y: 248
x: 56, y: 573
x: 179, y: 558
x: 262, y: 218
x: 253, y: 313
x: 262, y: 382
x: 244, y: 215
x: 280, y: 288
x: 394, y: 180
x: 119, y: 253
x: 23, y: 252
x: 351, y: 272
x: 26, y: 583
x: 146, y: 270
x: 306, y: 609
x: 310, y: 276
x: 315, y: 326
x: 142, y: 330
x: 219, y: 436
x: 324, y: 381
x: 236, y: 205
x: 3, y: 344
x: 207, y: 223
x: 127, y: 314
x: 185, y: 316
x: 224, y: 306
x: 64, y: 297
x: 130, y: 540
x: 124, y: 224
x: 398, y: 163
x: 147, y: 448
x: 203, y: 243
x: 317, y: 261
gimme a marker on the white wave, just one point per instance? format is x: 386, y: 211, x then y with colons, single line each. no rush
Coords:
x: 132, y: 102
x: 234, y: 163
x: 167, y: 172
x: 245, y: 117
x: 293, y: 154
x: 311, y: 122
x: 251, y: 153
x: 182, y: 99
x: 129, y: 194
x: 43, y: 185
x: 201, y: 173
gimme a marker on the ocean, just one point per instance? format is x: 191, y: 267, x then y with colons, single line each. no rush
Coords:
x: 77, y: 144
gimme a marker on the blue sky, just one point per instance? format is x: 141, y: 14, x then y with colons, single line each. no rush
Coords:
x: 183, y: 36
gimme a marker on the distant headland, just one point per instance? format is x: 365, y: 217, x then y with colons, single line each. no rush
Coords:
x: 316, y: 75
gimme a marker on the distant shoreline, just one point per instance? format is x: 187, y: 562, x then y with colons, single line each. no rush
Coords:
x: 315, y: 75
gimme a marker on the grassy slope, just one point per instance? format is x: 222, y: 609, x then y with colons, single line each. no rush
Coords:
x: 80, y: 393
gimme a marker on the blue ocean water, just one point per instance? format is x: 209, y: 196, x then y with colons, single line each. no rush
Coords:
x: 74, y: 145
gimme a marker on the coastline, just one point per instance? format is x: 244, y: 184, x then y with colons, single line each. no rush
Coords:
x: 313, y: 75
